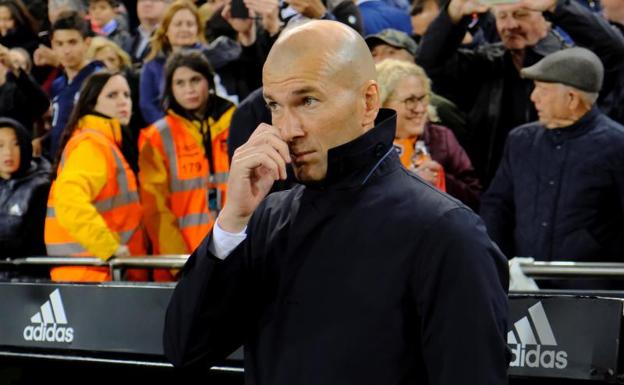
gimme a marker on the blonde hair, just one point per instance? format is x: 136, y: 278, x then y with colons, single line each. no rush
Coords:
x: 391, y: 72
x: 159, y: 42
x: 98, y: 43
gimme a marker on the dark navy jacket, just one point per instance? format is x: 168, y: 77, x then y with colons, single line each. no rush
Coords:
x: 371, y: 277
x: 64, y: 94
x: 559, y: 194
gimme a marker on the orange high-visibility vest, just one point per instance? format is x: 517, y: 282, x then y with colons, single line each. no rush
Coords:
x: 118, y: 203
x: 406, y: 149
x: 190, y: 179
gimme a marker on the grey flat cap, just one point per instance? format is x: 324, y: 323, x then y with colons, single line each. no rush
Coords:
x: 394, y: 38
x: 575, y: 67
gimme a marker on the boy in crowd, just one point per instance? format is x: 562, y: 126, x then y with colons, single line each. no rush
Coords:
x: 70, y: 40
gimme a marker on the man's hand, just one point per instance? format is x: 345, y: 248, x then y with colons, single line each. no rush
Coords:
x: 45, y: 56
x: 429, y: 171
x: 245, y: 27
x: 5, y: 57
x: 314, y: 9
x: 457, y: 9
x: 255, y: 166
x: 122, y: 252
x: 37, y: 146
x: 268, y: 10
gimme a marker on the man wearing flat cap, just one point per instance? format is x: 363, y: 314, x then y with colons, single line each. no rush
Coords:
x: 558, y: 193
x: 485, y: 81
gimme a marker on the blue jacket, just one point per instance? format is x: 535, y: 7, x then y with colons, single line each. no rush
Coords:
x: 559, y: 194
x: 64, y: 94
x: 219, y: 53
x: 378, y: 15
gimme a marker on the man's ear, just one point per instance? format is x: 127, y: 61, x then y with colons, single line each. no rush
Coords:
x: 87, y: 41
x: 574, y: 100
x: 371, y: 103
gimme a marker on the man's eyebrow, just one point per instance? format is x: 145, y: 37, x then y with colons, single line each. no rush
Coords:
x: 298, y: 92
x: 303, y: 91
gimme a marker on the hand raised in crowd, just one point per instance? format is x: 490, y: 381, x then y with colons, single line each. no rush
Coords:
x: 457, y: 9
x: 429, y: 170
x: 268, y: 10
x: 37, y: 146
x: 314, y: 9
x: 255, y: 166
x: 5, y: 57
x: 245, y: 27
x: 44, y: 56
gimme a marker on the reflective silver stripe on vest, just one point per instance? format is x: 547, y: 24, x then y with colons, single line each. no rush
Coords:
x: 65, y: 248
x: 116, y: 201
x: 219, y: 177
x: 123, y: 197
x: 176, y: 184
x: 124, y: 236
x: 193, y: 220
x: 76, y: 248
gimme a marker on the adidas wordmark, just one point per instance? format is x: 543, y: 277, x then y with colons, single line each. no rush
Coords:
x: 51, y: 315
x: 542, y: 352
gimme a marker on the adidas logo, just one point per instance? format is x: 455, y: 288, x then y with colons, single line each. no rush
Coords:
x: 537, y: 357
x: 51, y: 315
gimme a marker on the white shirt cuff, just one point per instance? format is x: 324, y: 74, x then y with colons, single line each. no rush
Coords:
x: 223, y: 242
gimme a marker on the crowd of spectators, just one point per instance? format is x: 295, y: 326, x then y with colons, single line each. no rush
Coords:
x: 118, y: 118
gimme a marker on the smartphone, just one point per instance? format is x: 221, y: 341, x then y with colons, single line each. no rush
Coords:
x: 239, y: 10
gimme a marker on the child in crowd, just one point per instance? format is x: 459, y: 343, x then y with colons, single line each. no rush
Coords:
x: 24, y: 186
x: 104, y: 22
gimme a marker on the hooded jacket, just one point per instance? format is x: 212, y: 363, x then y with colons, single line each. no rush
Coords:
x: 83, y: 177
x: 23, y: 200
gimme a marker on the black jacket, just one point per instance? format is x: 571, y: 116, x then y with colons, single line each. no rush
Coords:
x: 22, y: 99
x: 370, y: 277
x: 559, y: 194
x: 23, y: 201
x: 484, y: 82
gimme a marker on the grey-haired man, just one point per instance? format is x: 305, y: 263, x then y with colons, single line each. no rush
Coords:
x: 559, y: 191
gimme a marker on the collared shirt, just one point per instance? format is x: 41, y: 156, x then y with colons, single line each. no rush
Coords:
x: 143, y: 37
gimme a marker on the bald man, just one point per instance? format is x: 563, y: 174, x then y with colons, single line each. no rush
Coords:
x: 363, y: 274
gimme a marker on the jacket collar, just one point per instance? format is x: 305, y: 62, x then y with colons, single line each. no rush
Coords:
x: 354, y: 163
x: 109, y: 127
x: 578, y: 128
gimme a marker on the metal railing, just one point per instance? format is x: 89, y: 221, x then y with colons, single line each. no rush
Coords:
x: 536, y: 269
x: 563, y: 270
x: 116, y: 265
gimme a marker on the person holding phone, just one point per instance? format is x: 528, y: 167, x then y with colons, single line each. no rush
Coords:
x: 485, y: 82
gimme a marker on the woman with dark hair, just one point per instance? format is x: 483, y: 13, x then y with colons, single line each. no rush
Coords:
x: 183, y: 158
x: 24, y: 186
x: 17, y: 26
x: 93, y: 207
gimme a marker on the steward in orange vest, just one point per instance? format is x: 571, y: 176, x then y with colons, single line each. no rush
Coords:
x: 183, y: 184
x: 183, y: 158
x: 93, y: 206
